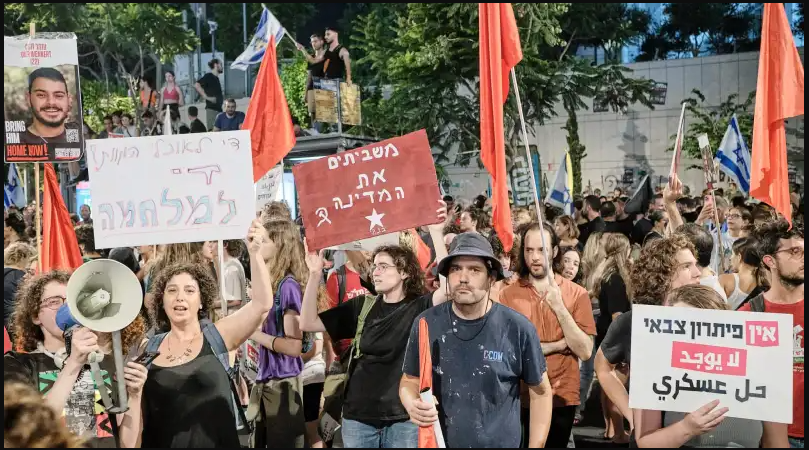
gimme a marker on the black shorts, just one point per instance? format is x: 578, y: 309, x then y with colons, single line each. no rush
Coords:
x: 311, y: 401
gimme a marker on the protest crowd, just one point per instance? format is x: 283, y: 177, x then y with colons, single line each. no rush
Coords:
x: 458, y: 328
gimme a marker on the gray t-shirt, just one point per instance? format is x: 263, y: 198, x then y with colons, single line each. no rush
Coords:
x: 235, y: 283
x: 731, y: 433
x: 477, y: 369
x: 617, y: 344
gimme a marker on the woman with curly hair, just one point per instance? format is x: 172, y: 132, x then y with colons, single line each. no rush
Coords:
x: 663, y: 265
x: 187, y: 401
x: 27, y: 423
x: 64, y: 381
x: 373, y: 415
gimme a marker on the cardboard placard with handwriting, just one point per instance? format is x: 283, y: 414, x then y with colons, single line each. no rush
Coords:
x: 171, y: 189
x: 684, y: 358
x: 369, y: 191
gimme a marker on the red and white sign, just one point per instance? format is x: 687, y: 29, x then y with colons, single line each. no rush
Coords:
x: 369, y: 191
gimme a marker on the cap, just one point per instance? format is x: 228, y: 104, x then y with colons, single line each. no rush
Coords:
x: 472, y: 244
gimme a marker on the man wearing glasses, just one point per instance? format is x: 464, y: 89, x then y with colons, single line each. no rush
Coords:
x: 783, y: 257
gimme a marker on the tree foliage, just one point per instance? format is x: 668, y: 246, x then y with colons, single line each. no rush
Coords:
x: 293, y: 80
x: 798, y: 29
x: 606, y: 26
x: 426, y: 57
x: 713, y: 121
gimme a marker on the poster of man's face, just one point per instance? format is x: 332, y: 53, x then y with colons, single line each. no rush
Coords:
x: 41, y: 99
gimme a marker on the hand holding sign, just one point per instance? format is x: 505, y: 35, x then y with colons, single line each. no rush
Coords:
x: 315, y: 261
x: 255, y: 237
x: 673, y: 190
x: 441, y: 213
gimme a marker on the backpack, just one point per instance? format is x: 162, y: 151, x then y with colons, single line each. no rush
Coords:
x: 341, y: 284
x: 219, y: 348
x: 308, y: 338
x: 757, y: 304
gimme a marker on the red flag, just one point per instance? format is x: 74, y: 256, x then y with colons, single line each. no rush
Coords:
x: 268, y: 117
x: 427, y: 438
x: 500, y: 51
x: 60, y: 250
x: 779, y: 95
x: 422, y: 250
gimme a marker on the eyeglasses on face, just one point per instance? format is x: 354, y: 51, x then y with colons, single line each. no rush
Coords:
x: 53, y: 302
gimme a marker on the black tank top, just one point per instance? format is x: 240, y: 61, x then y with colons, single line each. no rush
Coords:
x: 333, y: 65
x: 189, y: 406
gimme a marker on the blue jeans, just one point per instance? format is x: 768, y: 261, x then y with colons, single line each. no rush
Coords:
x: 399, y: 435
x: 795, y: 443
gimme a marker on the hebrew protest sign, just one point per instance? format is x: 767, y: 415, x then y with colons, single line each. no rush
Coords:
x: 171, y: 189
x: 268, y: 186
x: 42, y: 98
x: 684, y: 358
x: 369, y: 191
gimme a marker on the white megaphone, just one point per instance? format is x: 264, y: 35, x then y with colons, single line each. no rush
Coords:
x: 105, y: 296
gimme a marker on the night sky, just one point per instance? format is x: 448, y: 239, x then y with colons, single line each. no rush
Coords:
x: 328, y: 14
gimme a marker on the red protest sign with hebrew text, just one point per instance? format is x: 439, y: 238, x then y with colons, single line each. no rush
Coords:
x: 382, y: 188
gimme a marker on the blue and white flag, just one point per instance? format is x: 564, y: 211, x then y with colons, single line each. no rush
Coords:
x: 267, y: 26
x: 733, y: 156
x: 13, y: 193
x: 561, y: 194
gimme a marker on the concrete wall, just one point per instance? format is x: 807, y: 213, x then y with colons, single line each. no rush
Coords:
x: 637, y: 141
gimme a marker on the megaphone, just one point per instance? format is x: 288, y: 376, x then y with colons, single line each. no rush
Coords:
x: 104, y: 296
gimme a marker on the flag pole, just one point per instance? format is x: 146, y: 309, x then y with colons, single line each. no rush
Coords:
x: 221, y: 261
x: 540, y: 217
x: 710, y: 178
x: 38, y: 218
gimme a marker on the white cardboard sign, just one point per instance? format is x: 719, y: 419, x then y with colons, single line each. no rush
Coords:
x: 370, y: 244
x: 171, y: 189
x: 684, y: 358
x: 268, y: 187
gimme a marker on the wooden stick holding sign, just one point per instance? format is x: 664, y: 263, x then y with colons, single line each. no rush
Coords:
x: 678, y: 142
x: 710, y: 180
x: 32, y: 31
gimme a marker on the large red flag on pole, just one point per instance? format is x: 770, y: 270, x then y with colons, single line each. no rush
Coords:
x: 779, y: 95
x: 268, y: 118
x: 60, y: 249
x: 499, y: 51
x: 429, y: 437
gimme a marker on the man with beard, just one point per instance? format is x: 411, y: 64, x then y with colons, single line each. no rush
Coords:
x: 50, y: 104
x: 481, y: 352
x: 563, y: 316
x: 782, y: 248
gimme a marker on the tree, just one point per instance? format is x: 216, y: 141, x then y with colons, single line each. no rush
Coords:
x: 798, y: 30
x: 608, y: 26
x: 427, y: 54
x: 293, y: 80
x: 713, y: 121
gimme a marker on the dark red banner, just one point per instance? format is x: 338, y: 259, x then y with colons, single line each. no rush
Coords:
x: 382, y: 188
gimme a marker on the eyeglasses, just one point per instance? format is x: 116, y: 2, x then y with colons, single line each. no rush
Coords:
x: 380, y: 267
x: 53, y: 302
x: 794, y: 252
x: 734, y: 216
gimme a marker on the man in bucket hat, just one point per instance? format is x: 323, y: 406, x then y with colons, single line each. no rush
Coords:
x: 481, y: 351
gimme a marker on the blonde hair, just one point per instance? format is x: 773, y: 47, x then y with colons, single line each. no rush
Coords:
x: 19, y: 254
x: 572, y: 230
x: 696, y: 296
x: 289, y: 256
x: 29, y: 423
x: 593, y: 253
x: 616, y: 253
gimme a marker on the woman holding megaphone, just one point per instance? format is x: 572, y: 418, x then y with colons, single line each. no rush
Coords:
x: 62, y: 376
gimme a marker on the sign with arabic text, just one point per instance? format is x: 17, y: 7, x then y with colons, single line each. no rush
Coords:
x: 684, y: 358
x: 369, y: 191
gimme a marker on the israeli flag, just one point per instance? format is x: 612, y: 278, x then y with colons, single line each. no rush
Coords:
x: 13, y: 193
x: 267, y: 26
x: 733, y: 156
x: 561, y: 194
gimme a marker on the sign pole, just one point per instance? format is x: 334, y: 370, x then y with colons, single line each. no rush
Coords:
x: 38, y: 218
x: 710, y: 180
x: 224, y: 302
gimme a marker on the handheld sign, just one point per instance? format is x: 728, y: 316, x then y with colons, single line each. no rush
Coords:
x: 171, y: 189
x: 684, y: 358
x: 370, y: 191
x: 42, y: 98
x: 268, y: 186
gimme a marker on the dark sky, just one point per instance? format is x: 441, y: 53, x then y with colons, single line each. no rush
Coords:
x: 328, y: 14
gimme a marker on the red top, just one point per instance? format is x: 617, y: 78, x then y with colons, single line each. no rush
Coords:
x: 796, y: 310
x: 6, y: 342
x: 173, y: 94
x: 353, y: 289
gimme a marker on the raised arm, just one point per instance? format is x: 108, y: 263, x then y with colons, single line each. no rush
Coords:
x: 437, y: 235
x: 310, y: 321
x: 672, y: 193
x: 237, y: 328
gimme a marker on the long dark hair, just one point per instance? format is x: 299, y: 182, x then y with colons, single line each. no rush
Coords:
x: 407, y: 264
x: 523, y: 268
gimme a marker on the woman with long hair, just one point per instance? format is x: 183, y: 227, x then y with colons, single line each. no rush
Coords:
x: 611, y: 284
x: 592, y: 255
x: 44, y: 363
x: 148, y: 96
x: 187, y: 400
x: 707, y: 426
x: 171, y: 94
x: 747, y: 279
x: 568, y: 232
x: 278, y: 393
x: 568, y: 264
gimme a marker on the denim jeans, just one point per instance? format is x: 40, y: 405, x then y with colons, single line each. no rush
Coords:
x: 398, y: 435
x: 795, y: 443
x: 586, y: 374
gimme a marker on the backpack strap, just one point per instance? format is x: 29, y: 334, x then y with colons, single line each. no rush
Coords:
x: 279, y: 313
x: 341, y: 284
x: 153, y: 345
x: 216, y: 342
x: 757, y: 304
x: 367, y: 304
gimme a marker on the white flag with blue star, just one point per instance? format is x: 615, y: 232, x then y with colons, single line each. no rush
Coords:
x: 13, y: 193
x: 253, y: 54
x: 561, y: 194
x: 733, y: 156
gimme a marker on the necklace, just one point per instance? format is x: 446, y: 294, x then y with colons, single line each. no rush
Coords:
x: 485, y: 321
x: 185, y: 354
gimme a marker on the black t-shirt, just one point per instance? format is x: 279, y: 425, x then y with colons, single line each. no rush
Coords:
x: 611, y: 299
x: 617, y: 344
x: 213, y: 88
x: 624, y: 227
x: 477, y: 369
x: 642, y: 228
x: 85, y: 415
x: 372, y: 395
x: 198, y: 127
x: 333, y: 65
x: 690, y: 217
x: 593, y: 226
x: 316, y: 71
